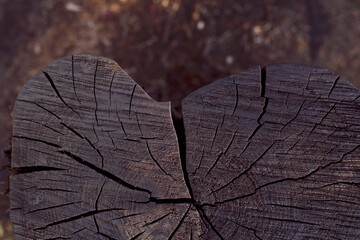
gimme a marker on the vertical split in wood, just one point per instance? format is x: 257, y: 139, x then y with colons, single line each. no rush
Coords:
x: 270, y: 158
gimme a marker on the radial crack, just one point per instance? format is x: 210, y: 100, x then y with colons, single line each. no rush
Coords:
x: 296, y: 115
x: 156, y: 162
x: 52, y: 207
x: 207, y: 220
x: 354, y: 184
x: 96, y: 103
x: 57, y: 92
x: 286, y: 179
x: 44, y: 125
x: 170, y: 200
x: 200, y: 162
x: 214, y: 137
x: 248, y: 228
x: 263, y: 81
x: 121, y: 124
x: 127, y: 216
x: 96, y: 136
x: 178, y: 122
x: 137, y: 235
x: 98, y: 230
x: 287, y: 206
x: 86, y: 139
x: 266, y: 101
x: 258, y: 120
x: 38, y: 140
x: 333, y: 86
x: 23, y: 170
x: 290, y: 220
x: 179, y: 225
x: 104, y: 172
x: 47, y: 110
x: 221, y: 153
x: 156, y: 220
x: 236, y: 95
x: 322, y: 119
x: 73, y: 218
x: 308, y: 81
x: 98, y: 196
x: 131, y: 97
x: 55, y: 190
x: 110, y: 87
x: 112, y: 141
x: 246, y: 170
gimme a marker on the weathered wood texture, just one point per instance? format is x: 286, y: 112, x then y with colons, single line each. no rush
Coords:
x: 270, y: 153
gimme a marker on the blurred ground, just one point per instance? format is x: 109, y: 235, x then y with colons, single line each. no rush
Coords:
x: 171, y: 47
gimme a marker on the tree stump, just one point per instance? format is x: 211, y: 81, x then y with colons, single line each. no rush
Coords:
x: 271, y: 153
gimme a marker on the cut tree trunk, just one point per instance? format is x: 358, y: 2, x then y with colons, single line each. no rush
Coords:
x: 271, y: 153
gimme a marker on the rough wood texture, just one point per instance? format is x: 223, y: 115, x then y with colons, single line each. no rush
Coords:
x: 266, y: 154
x: 274, y: 154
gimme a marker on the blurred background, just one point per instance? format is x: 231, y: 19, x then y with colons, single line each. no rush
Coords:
x: 170, y: 47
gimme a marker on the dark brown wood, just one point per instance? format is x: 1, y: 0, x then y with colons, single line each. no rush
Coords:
x: 93, y: 153
x: 270, y: 153
x: 275, y: 154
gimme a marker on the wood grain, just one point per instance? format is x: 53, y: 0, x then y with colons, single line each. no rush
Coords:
x: 269, y: 153
x: 274, y: 154
x: 93, y: 153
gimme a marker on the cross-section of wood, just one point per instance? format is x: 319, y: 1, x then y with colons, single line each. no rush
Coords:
x: 93, y: 153
x: 271, y: 153
x: 275, y: 154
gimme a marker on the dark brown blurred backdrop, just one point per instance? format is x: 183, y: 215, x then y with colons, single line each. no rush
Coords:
x: 171, y: 47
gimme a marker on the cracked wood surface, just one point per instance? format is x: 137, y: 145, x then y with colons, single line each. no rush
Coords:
x: 93, y: 155
x: 269, y: 153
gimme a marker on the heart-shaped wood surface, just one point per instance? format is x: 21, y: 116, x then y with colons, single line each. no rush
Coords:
x: 270, y: 153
